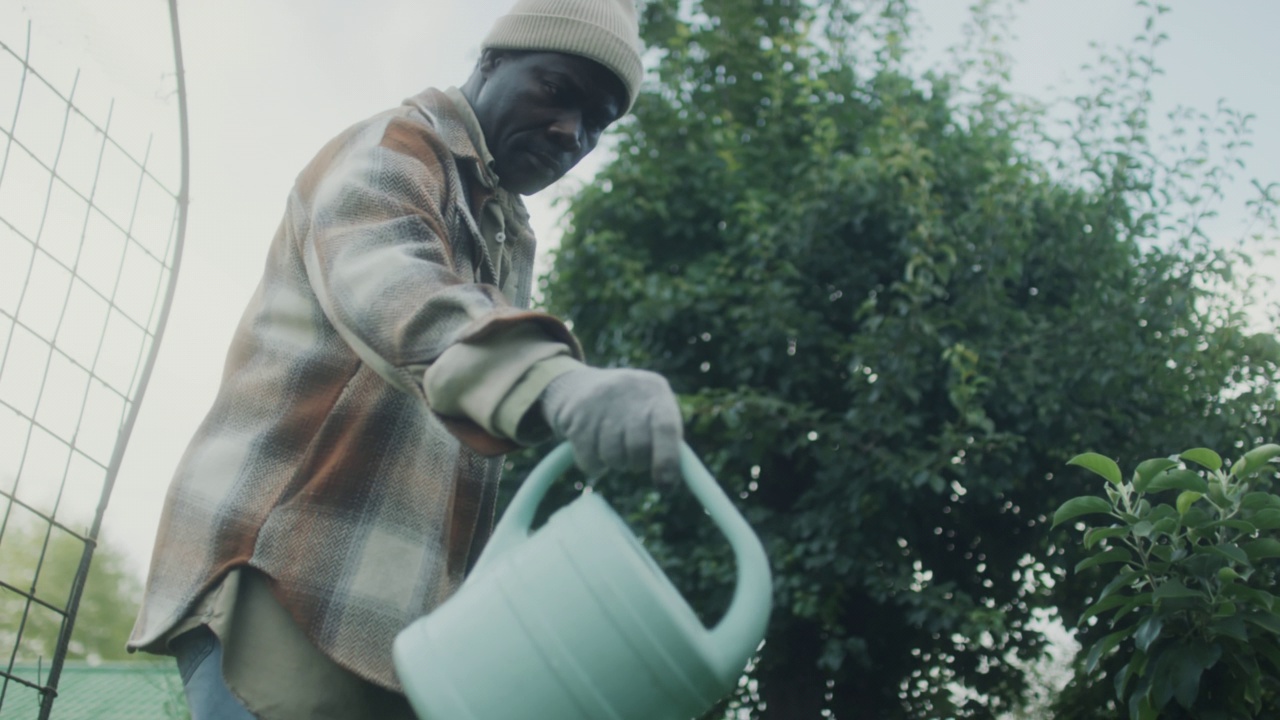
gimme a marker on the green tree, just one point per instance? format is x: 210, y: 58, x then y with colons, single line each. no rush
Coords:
x: 895, y: 306
x: 107, y: 606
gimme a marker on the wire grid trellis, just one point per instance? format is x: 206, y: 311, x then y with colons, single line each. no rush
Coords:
x: 90, y: 242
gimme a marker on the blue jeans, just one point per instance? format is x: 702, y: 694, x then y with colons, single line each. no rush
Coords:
x: 199, y: 655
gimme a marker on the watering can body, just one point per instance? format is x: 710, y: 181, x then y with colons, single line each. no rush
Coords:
x: 576, y: 621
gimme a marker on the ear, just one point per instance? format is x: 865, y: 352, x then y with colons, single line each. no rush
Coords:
x: 489, y: 61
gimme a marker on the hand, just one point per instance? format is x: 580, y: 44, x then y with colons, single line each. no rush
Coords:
x: 617, y: 419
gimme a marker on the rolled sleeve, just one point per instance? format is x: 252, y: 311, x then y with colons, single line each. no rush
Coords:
x: 494, y: 382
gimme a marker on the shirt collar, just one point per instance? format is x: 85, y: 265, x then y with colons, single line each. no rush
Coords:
x: 472, y: 125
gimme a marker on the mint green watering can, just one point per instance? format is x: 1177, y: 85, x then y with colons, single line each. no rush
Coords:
x: 575, y: 621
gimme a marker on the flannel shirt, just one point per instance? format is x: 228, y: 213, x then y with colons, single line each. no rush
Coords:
x: 322, y: 462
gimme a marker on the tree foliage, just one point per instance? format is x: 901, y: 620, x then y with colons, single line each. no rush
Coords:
x: 107, y: 606
x: 893, y: 303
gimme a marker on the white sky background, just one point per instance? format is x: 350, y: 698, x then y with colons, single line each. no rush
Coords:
x: 270, y: 81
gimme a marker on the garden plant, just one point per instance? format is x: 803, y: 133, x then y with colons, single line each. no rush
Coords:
x: 1193, y: 546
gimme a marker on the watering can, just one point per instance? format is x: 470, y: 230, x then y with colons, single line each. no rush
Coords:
x: 575, y: 621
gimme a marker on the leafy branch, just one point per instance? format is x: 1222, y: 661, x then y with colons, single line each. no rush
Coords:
x: 1190, y: 604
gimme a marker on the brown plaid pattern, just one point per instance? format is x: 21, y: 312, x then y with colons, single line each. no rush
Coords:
x: 321, y: 463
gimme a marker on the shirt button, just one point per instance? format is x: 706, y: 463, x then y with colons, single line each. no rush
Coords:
x: 500, y: 237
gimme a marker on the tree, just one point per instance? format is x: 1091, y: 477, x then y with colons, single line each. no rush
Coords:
x: 894, y: 305
x: 107, y: 606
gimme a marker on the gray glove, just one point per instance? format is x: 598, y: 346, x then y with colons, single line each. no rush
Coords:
x: 617, y: 419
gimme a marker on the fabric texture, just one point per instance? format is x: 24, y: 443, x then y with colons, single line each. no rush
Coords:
x: 275, y: 671
x: 480, y: 380
x: 603, y: 30
x: 321, y: 462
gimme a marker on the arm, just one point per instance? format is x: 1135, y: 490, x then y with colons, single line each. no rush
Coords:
x: 381, y: 264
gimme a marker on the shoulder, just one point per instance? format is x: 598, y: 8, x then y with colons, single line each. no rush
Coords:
x: 391, y: 147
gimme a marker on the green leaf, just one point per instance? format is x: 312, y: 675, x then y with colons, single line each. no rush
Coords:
x: 1203, y: 457
x: 1248, y: 667
x: 1187, y: 668
x: 1103, y: 647
x: 1216, y: 494
x: 1136, y: 666
x: 1255, y: 459
x: 1271, y: 653
x: 1166, y: 526
x: 1185, y: 499
x: 1109, y: 602
x: 1256, y: 597
x: 1266, y: 519
x: 1196, y: 517
x: 1148, y: 469
x: 1243, y: 526
x: 1266, y: 621
x: 1178, y: 479
x: 1226, y: 575
x: 1259, y: 500
x: 1123, y: 579
x: 1093, y: 535
x: 1111, y: 556
x: 1263, y: 548
x: 1140, y: 708
x: 1232, y: 627
x: 1075, y: 507
x: 1099, y: 465
x: 1157, y: 568
x: 1135, y: 601
x: 1231, y: 552
x: 1204, y: 564
x: 1172, y: 589
x: 1147, y: 632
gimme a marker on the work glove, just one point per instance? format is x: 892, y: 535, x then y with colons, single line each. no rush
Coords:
x: 617, y: 419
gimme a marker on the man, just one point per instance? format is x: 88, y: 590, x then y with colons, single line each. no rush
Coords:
x: 344, y: 481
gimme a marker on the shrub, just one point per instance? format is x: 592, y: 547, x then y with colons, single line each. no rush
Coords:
x: 1190, y: 605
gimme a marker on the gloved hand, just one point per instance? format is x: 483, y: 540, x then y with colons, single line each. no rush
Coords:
x: 618, y: 419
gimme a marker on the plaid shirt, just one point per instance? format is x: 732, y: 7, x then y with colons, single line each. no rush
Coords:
x: 321, y: 462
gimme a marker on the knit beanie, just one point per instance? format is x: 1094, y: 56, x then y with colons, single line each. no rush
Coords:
x: 603, y: 30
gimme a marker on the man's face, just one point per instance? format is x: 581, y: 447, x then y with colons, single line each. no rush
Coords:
x: 542, y: 112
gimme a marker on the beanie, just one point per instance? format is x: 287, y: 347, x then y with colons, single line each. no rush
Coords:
x: 602, y: 30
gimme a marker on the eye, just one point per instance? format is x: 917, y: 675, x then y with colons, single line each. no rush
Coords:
x: 552, y: 89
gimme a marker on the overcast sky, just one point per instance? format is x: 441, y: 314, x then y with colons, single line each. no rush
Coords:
x: 270, y: 81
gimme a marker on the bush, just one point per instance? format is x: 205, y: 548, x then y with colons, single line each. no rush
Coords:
x: 1190, y: 606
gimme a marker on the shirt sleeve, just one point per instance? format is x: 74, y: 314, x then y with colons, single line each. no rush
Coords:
x: 380, y: 261
x: 496, y: 381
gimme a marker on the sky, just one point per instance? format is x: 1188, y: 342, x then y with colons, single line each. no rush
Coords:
x: 270, y: 81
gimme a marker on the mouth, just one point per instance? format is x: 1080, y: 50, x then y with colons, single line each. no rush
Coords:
x: 545, y: 162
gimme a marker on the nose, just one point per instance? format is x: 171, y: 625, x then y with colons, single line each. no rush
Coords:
x: 567, y: 131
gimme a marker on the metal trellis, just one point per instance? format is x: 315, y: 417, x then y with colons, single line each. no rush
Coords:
x: 86, y: 281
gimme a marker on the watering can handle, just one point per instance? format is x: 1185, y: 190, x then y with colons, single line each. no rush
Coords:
x: 735, y: 637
